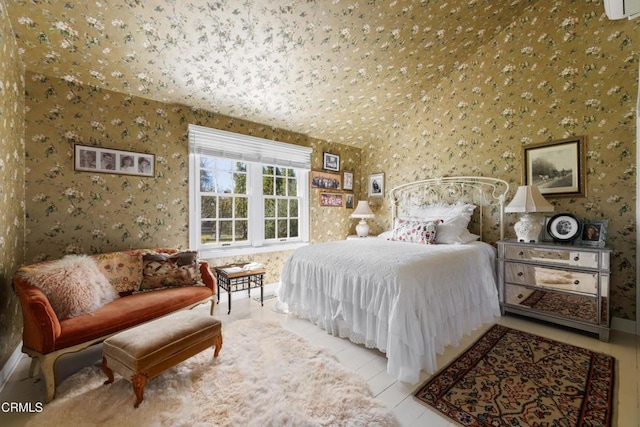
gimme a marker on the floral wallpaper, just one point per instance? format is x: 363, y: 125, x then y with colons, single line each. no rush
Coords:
x: 562, y: 69
x: 11, y: 185
x: 414, y: 89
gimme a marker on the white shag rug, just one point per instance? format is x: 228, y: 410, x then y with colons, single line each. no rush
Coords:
x: 265, y: 375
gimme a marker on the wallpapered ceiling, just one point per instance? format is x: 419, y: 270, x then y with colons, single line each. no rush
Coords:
x: 341, y: 71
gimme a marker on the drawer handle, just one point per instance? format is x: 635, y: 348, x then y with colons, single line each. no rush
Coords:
x: 520, y: 273
x: 576, y: 282
x: 521, y: 253
x: 576, y: 258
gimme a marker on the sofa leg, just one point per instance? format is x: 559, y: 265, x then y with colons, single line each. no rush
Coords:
x: 32, y: 366
x: 46, y: 366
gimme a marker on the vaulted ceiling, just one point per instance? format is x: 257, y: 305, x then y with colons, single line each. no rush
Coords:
x: 335, y: 70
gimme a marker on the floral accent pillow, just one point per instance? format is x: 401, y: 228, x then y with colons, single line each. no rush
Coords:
x: 122, y: 269
x: 160, y: 270
x: 415, y: 231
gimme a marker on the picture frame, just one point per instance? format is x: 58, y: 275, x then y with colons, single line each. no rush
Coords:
x: 331, y: 162
x: 106, y: 160
x: 546, y: 237
x: 557, y: 168
x: 347, y: 180
x: 375, y: 185
x: 564, y: 228
x: 331, y: 200
x: 349, y: 200
x: 594, y: 232
x: 325, y: 180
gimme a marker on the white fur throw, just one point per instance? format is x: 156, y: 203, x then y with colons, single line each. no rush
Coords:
x: 74, y: 285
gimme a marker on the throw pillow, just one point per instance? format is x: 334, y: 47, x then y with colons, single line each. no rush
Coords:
x: 161, y: 270
x: 122, y: 269
x: 415, y: 231
x: 74, y: 285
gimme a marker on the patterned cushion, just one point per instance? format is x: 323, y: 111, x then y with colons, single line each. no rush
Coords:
x: 161, y: 270
x: 122, y: 269
x: 415, y: 231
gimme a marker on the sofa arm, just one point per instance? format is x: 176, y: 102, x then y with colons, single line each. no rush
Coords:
x: 207, y: 276
x: 41, y: 326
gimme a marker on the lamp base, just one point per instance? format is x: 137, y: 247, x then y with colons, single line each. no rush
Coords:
x: 528, y: 228
x: 362, y: 229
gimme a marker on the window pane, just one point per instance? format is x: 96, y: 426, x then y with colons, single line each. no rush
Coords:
x: 283, y: 208
x: 293, y: 208
x: 208, y: 207
x: 293, y: 187
x: 267, y: 186
x: 240, y: 183
x: 267, y: 170
x: 291, y: 172
x: 224, y: 182
x: 242, y: 230
x: 281, y: 186
x: 206, y: 181
x: 269, y: 229
x: 282, y: 228
x: 293, y: 228
x: 242, y: 207
x: 224, y: 164
x: 226, y: 231
x: 207, y: 162
x: 281, y: 171
x: 226, y: 207
x: 241, y: 167
x: 208, y: 232
x: 269, y: 208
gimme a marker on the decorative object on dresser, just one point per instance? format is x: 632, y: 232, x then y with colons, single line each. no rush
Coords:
x: 564, y: 228
x: 510, y: 377
x: 265, y: 375
x: 556, y: 167
x: 594, y: 232
x: 528, y: 201
x: 362, y: 211
x: 560, y: 283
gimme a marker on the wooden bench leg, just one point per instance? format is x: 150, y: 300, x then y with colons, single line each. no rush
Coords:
x: 107, y: 371
x: 218, y: 344
x: 139, y: 381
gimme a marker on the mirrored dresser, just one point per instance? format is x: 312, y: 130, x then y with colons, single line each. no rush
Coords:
x: 565, y: 284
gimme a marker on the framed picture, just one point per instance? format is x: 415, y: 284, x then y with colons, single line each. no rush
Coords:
x: 564, y: 227
x: 546, y: 237
x: 348, y: 200
x: 376, y: 185
x: 594, y: 232
x: 331, y: 162
x: 347, y: 180
x: 557, y: 167
x: 327, y: 181
x: 333, y: 200
x: 105, y: 160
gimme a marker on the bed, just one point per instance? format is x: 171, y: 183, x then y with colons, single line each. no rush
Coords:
x: 404, y: 297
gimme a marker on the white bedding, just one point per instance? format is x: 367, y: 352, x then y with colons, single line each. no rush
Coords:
x: 408, y: 300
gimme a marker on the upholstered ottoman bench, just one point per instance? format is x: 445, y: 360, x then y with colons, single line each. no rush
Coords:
x: 145, y: 351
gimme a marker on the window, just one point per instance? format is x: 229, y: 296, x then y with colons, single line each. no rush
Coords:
x: 246, y: 194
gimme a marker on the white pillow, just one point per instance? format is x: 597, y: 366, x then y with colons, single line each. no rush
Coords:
x: 468, y: 237
x: 443, y: 211
x: 387, y: 235
x: 451, y: 230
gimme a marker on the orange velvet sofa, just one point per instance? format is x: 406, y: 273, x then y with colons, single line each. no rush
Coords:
x: 46, y: 338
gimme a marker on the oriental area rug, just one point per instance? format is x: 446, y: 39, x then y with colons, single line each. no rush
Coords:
x: 264, y: 375
x: 514, y: 378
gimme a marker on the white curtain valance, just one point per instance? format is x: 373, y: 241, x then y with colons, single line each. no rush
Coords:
x: 235, y: 146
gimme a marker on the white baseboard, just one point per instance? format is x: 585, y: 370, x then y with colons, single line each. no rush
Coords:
x: 624, y: 325
x: 10, y: 366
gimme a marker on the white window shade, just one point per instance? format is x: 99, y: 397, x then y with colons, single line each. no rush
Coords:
x: 219, y: 143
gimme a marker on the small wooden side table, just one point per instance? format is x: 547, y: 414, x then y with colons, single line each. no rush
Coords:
x: 232, y: 278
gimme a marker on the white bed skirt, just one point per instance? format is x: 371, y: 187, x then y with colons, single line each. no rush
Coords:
x: 410, y: 313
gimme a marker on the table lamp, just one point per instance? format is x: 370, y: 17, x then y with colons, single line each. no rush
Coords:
x: 362, y: 211
x: 529, y: 201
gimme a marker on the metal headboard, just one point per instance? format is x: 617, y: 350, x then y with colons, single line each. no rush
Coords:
x: 481, y: 191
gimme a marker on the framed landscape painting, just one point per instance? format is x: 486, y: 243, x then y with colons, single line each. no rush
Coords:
x: 557, y: 167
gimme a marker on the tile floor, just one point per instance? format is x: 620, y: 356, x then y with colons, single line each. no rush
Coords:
x: 370, y: 364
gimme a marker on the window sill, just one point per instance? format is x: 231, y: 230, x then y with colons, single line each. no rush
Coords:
x: 250, y: 250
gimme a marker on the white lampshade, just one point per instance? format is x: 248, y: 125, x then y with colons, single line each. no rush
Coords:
x: 528, y: 200
x: 362, y: 211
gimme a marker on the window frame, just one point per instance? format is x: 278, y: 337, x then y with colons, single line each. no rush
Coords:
x: 256, y: 242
